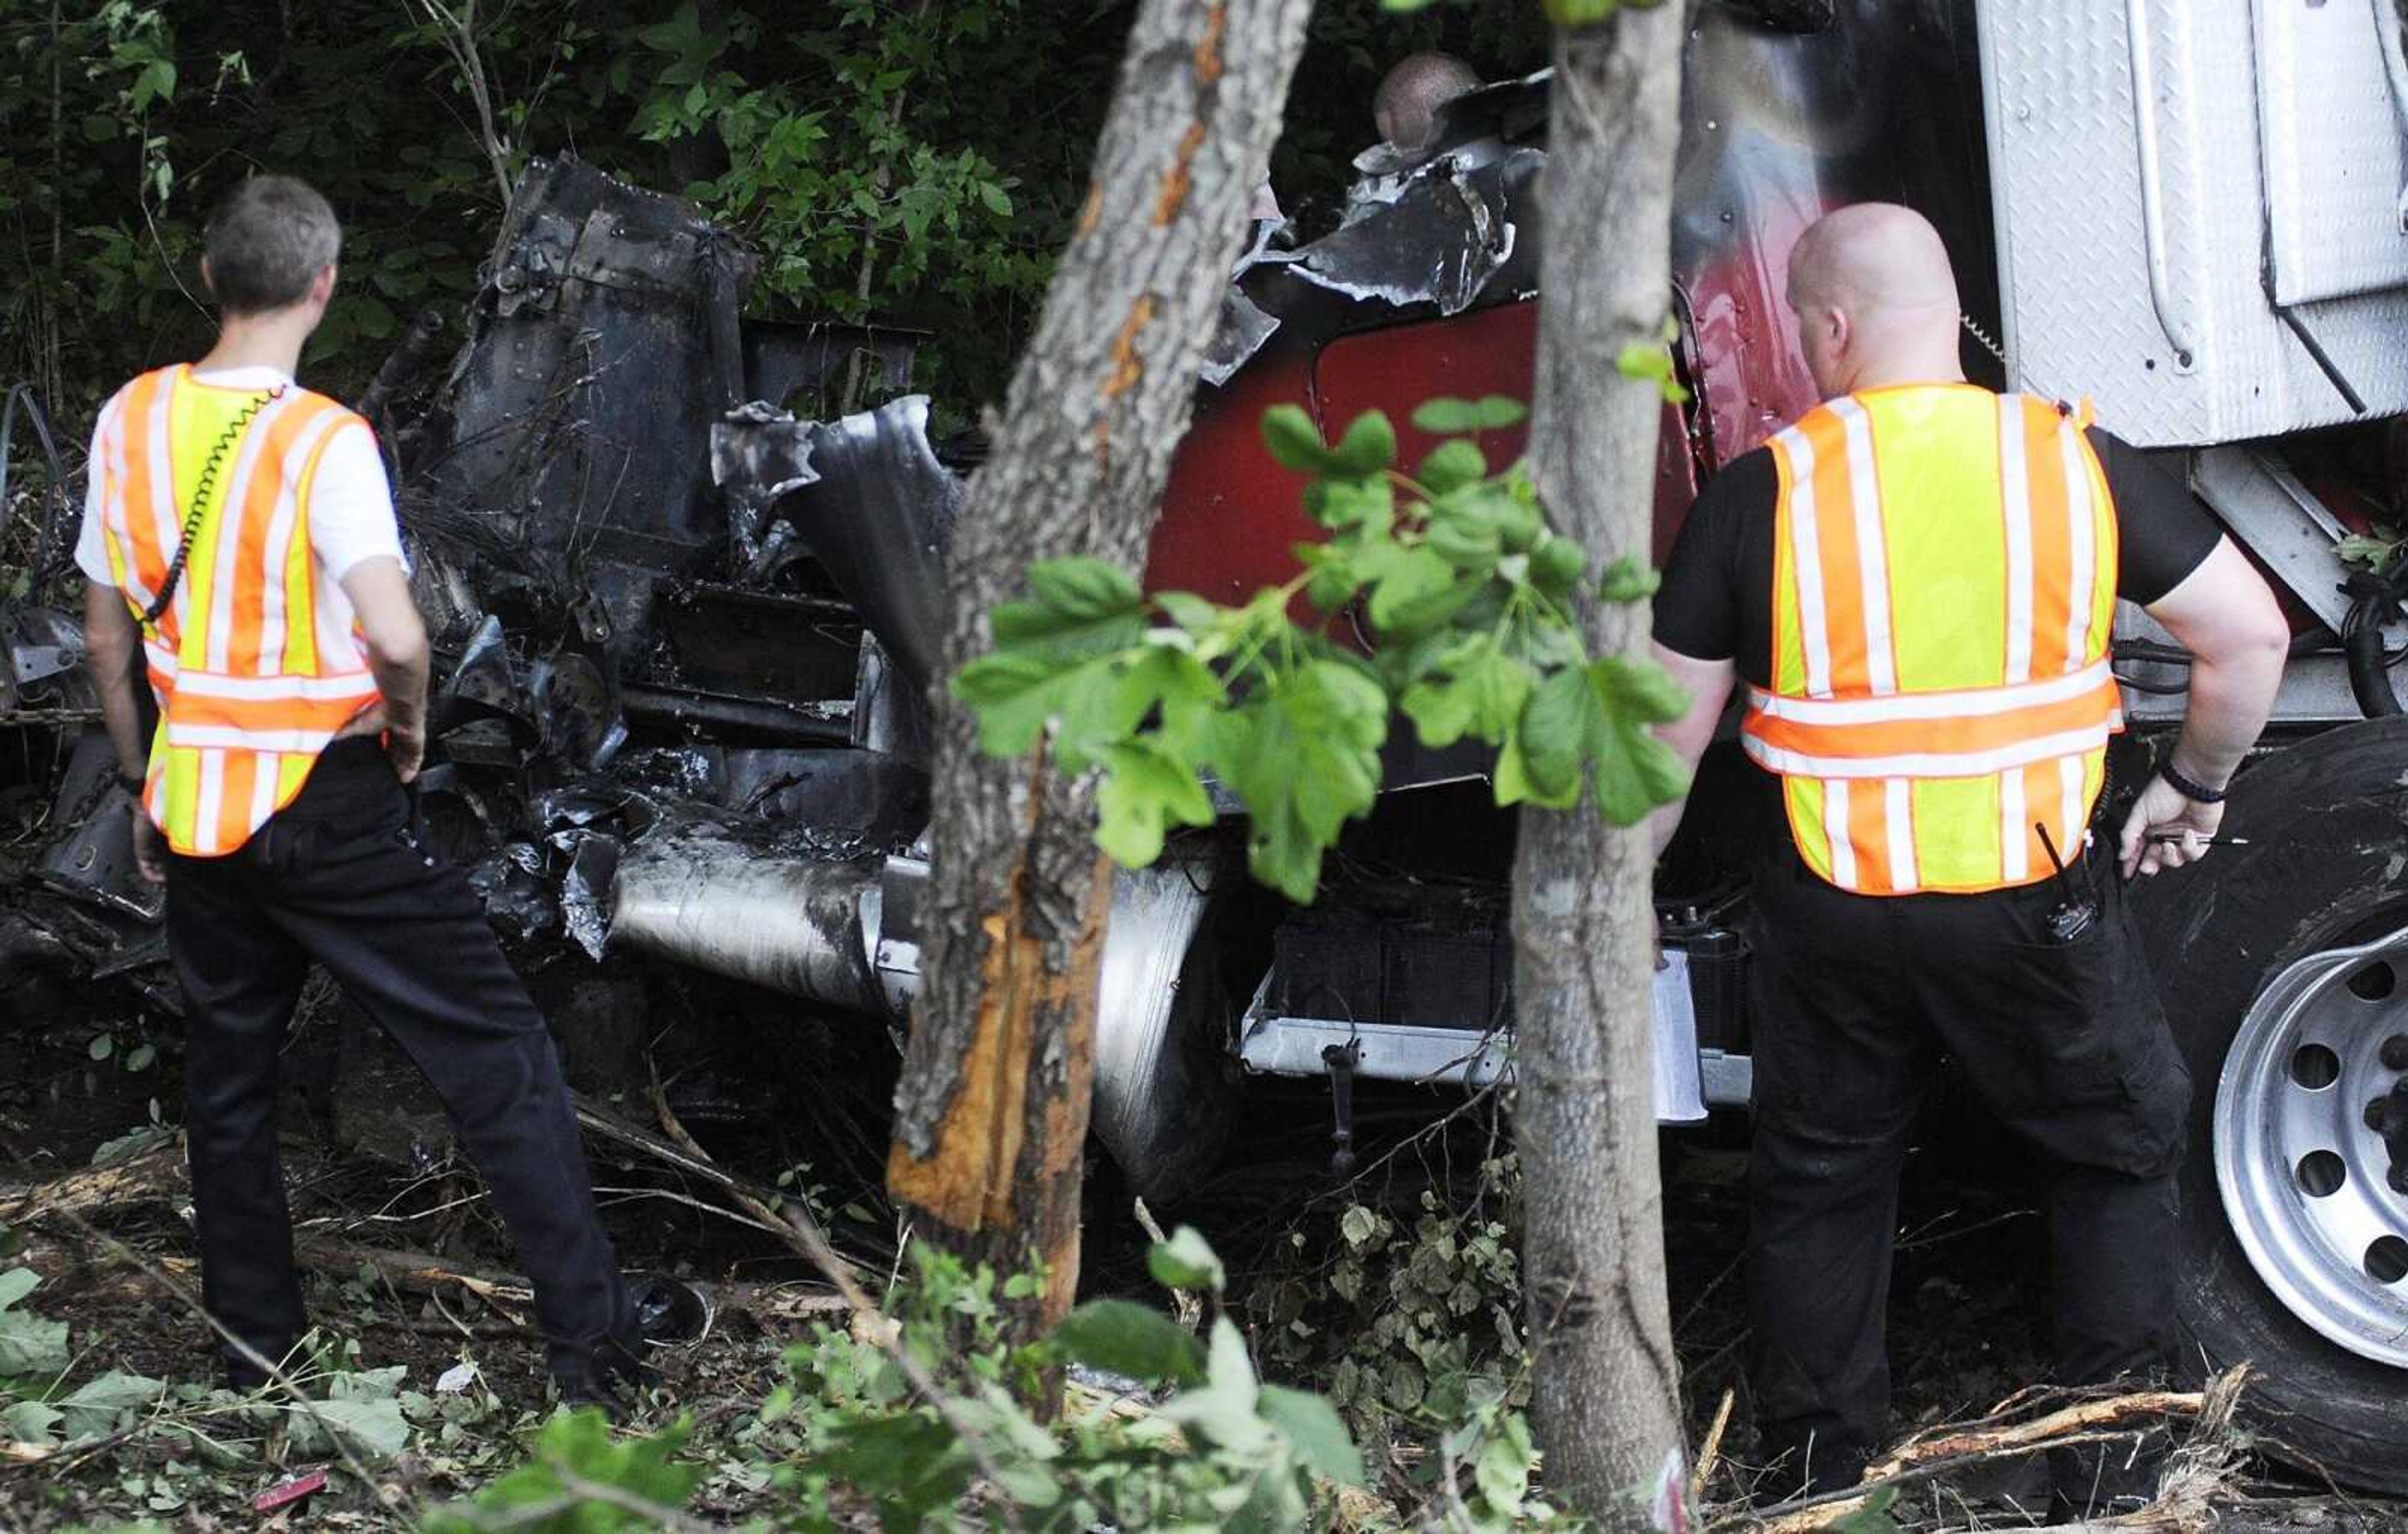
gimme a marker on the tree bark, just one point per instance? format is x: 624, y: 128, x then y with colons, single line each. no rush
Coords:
x: 1605, y: 1396
x: 990, y: 1113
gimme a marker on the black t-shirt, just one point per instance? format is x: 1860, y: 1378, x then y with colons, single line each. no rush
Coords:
x: 1716, y: 599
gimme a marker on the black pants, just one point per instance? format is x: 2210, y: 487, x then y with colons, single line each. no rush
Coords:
x: 1857, y: 995
x: 342, y: 876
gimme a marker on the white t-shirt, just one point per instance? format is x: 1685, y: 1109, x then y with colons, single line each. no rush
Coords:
x: 350, y: 508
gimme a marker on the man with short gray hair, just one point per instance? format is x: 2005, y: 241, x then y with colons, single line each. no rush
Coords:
x: 240, y: 537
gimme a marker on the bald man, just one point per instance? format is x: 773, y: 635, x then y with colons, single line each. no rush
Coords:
x: 1406, y: 107
x: 1916, y: 583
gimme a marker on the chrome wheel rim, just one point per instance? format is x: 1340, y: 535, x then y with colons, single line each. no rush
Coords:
x: 2305, y: 1177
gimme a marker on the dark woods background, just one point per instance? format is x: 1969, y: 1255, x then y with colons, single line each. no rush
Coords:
x: 913, y: 162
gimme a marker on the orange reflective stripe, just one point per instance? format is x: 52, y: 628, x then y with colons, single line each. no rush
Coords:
x: 1972, y: 736
x: 195, y: 710
x: 298, y: 431
x: 1844, y: 639
x: 134, y: 515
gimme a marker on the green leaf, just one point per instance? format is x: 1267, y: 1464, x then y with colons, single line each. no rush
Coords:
x: 1369, y: 447
x: 1314, y: 1431
x: 1366, y: 505
x: 1502, y: 1469
x: 1146, y: 789
x: 1186, y: 1261
x: 1084, y: 590
x: 1357, y: 1225
x: 1013, y: 695
x: 29, y: 1344
x: 1295, y: 442
x: 1126, y: 1338
x: 1226, y: 1409
x: 1555, y: 565
x: 1301, y: 753
x: 1492, y: 412
x: 1629, y: 578
x: 1597, y: 715
x: 1474, y: 688
x: 2375, y: 551
x: 31, y: 1422
x: 1188, y: 610
x: 1872, y: 1518
x: 371, y: 1428
x: 998, y: 200
x: 1450, y: 465
x: 1652, y: 361
x: 1402, y: 580
x: 101, y: 1047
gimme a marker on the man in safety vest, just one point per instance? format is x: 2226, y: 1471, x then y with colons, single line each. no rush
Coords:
x: 240, y: 537
x: 1916, y: 583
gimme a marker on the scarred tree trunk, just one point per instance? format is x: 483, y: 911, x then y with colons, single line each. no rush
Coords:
x: 991, y: 1115
x: 1606, y: 1392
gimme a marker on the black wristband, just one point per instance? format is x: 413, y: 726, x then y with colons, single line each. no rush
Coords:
x: 133, y: 783
x: 2195, y: 792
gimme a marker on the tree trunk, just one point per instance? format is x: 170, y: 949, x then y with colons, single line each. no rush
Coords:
x: 1606, y: 1392
x: 991, y: 1114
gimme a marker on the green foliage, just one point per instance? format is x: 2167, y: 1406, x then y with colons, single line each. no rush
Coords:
x: 1653, y: 361
x: 29, y: 1346
x: 577, y: 1449
x: 1416, y: 1327
x: 852, y: 1434
x: 2375, y: 551
x: 1471, y: 599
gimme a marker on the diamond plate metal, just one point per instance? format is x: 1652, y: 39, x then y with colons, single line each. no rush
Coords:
x: 2074, y: 257
x: 2333, y: 151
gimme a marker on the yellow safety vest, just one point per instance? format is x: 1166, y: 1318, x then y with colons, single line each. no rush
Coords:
x: 248, y: 695
x: 1943, y: 591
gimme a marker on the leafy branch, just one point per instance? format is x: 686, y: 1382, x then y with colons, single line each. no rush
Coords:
x: 1471, y: 604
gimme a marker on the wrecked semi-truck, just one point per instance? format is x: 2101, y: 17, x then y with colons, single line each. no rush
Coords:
x: 688, y: 631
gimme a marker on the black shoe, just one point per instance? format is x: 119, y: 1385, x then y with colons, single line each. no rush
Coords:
x: 668, y: 1310
x: 611, y: 1379
x: 1807, y: 1469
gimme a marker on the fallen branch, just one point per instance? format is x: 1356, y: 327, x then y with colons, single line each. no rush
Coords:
x: 154, y: 1175
x: 416, y: 1272
x: 2086, y: 1422
x: 1711, y: 1451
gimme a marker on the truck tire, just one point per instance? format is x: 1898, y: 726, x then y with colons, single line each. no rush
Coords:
x: 2280, y: 985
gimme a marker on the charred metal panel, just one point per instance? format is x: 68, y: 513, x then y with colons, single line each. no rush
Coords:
x: 877, y: 515
x: 1450, y: 237
x: 599, y: 353
x: 735, y: 640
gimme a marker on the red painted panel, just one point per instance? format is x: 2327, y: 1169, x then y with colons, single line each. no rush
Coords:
x: 1748, y: 365
x: 1487, y: 351
x: 1229, y: 515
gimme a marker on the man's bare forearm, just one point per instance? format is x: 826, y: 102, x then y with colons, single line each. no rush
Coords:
x: 2229, y: 701
x: 402, y: 682
x: 110, y: 640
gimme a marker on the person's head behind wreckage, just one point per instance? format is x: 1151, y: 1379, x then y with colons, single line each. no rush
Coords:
x: 1406, y: 102
x: 270, y: 245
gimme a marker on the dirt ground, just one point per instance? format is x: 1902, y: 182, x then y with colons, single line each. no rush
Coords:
x: 371, y: 1169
